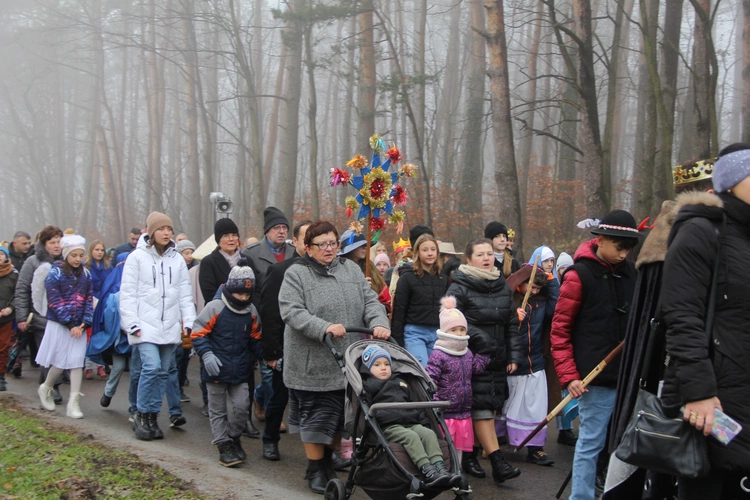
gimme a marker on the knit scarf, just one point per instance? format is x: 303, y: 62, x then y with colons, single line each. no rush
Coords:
x: 478, y: 273
x: 6, y: 268
x: 233, y: 260
x: 452, y: 344
x: 235, y: 305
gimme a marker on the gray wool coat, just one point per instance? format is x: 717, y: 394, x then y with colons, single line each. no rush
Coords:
x: 311, y: 299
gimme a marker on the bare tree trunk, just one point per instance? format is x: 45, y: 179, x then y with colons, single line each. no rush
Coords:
x: 312, y: 114
x: 704, y: 117
x: 191, y: 112
x: 448, y: 104
x: 506, y: 177
x: 470, y: 198
x: 746, y: 71
x: 155, y: 96
x: 367, y: 83
x: 292, y: 37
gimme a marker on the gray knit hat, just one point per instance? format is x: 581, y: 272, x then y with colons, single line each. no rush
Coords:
x: 183, y: 245
x: 731, y: 169
x: 241, y: 280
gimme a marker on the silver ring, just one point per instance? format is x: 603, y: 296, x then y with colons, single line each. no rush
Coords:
x: 742, y: 485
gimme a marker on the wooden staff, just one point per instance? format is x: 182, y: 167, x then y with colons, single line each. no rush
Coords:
x: 531, y: 282
x: 586, y: 381
x: 369, y: 238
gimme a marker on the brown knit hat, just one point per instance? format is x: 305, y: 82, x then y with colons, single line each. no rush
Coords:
x: 155, y: 221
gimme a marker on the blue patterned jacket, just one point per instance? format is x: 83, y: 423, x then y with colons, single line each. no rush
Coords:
x: 70, y: 299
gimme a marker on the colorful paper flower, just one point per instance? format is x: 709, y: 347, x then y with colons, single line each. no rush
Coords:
x: 377, y: 144
x: 399, y: 195
x: 376, y: 224
x: 393, y: 154
x: 351, y: 205
x: 356, y: 227
x: 408, y: 170
x: 358, y: 162
x: 339, y: 177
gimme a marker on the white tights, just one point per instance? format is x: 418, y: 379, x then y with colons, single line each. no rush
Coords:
x: 76, y: 377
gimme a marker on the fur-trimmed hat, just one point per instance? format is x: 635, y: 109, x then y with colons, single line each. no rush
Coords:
x: 493, y: 229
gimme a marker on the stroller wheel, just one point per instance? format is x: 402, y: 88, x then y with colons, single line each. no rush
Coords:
x: 335, y: 490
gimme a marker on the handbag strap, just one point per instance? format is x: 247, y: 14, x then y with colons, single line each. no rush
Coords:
x: 656, y: 332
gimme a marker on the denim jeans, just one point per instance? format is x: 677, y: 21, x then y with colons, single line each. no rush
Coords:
x: 135, y: 377
x: 119, y: 363
x: 595, y: 409
x: 419, y: 340
x: 156, y: 369
x: 173, y: 384
x: 264, y: 390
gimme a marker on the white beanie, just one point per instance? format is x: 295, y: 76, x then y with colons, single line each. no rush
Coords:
x: 72, y: 242
x: 563, y: 261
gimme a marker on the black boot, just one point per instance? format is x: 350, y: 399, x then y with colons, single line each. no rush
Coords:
x: 328, y: 464
x: 316, y: 476
x: 141, y: 427
x: 470, y: 464
x: 238, y: 448
x: 434, y: 477
x: 250, y: 430
x: 158, y: 434
x: 502, y: 470
x: 228, y: 455
x: 567, y: 437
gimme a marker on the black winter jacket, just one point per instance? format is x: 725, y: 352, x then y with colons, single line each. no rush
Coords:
x: 701, y: 367
x: 7, y: 293
x: 213, y: 273
x: 18, y: 259
x: 417, y: 301
x: 540, y: 309
x: 273, y: 326
x: 493, y: 328
x: 394, y: 390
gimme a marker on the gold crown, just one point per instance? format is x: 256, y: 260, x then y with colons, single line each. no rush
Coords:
x: 401, y: 245
x: 692, y: 171
x: 511, y: 234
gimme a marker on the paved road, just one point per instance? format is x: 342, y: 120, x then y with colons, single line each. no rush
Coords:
x: 188, y: 453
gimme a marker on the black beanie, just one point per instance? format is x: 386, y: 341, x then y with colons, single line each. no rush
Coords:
x: 225, y: 226
x: 418, y: 231
x: 273, y: 216
x: 493, y: 229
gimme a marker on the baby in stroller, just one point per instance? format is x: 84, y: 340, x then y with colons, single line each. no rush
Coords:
x: 403, y: 426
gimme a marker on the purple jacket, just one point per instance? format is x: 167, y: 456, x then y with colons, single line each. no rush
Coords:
x: 452, y: 375
x: 70, y: 299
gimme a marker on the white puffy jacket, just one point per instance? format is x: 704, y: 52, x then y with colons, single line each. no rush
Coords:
x: 155, y: 295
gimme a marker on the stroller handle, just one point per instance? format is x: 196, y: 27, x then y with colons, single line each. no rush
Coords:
x: 408, y: 406
x: 327, y: 340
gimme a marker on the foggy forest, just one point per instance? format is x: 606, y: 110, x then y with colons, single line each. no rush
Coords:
x: 536, y: 113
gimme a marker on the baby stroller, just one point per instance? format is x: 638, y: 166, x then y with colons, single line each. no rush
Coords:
x: 382, y: 469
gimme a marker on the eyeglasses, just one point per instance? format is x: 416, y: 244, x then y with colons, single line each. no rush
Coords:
x: 280, y: 227
x: 326, y: 245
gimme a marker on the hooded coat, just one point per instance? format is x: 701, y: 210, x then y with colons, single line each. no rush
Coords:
x: 155, y: 296
x: 704, y: 364
x: 540, y: 310
x: 493, y: 330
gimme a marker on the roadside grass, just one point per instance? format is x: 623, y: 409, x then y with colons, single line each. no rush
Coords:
x: 42, y: 459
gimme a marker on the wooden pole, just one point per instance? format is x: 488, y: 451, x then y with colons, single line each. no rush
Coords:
x: 586, y: 381
x: 369, y: 239
x: 531, y: 281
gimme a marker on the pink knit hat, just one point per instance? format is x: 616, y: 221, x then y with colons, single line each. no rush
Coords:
x: 382, y: 257
x: 450, y: 317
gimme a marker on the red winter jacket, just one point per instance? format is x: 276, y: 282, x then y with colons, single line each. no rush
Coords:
x: 566, y: 313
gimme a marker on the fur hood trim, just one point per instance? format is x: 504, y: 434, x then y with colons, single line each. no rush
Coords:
x: 655, y: 247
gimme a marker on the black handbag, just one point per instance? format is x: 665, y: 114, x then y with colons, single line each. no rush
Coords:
x: 657, y: 438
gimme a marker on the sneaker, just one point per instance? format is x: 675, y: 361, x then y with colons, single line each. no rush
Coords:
x: 100, y: 371
x: 539, y: 457
x: 45, y: 396
x: 227, y: 454
x: 434, y: 477
x: 204, y: 410
x: 88, y: 373
x: 567, y: 437
x: 455, y: 478
x: 184, y: 398
x: 16, y: 371
x: 141, y: 427
x: 74, y: 407
x: 177, y: 420
x: 105, y: 400
x: 131, y: 416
